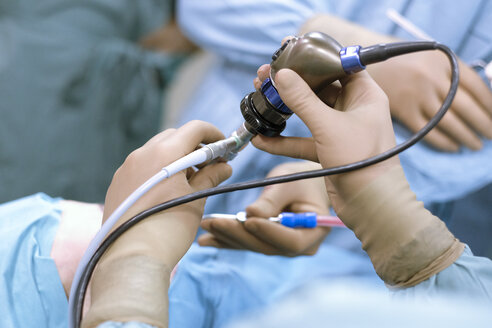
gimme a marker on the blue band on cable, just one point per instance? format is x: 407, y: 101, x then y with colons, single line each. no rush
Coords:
x: 351, y: 60
x: 273, y: 97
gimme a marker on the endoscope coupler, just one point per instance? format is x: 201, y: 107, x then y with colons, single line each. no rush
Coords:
x: 319, y: 60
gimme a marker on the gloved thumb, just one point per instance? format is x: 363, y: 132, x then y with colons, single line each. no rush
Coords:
x: 299, y: 97
x: 270, y: 203
x: 210, y: 176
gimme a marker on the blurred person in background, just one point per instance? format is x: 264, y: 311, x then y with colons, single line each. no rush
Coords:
x: 79, y: 91
x: 242, y: 45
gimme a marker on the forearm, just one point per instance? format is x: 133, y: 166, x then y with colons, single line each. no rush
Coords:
x: 405, y: 242
x: 133, y: 288
x: 411, y: 249
x: 131, y: 281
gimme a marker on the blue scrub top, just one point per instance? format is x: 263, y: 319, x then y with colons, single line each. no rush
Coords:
x: 77, y: 92
x: 243, y: 35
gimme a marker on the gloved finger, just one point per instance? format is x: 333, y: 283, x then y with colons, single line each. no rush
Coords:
x: 263, y: 72
x: 456, y: 129
x: 225, y: 241
x: 295, y: 147
x: 441, y: 141
x: 219, y: 237
x: 297, y: 196
x: 467, y: 109
x: 271, y: 202
x: 360, y: 90
x: 299, y: 97
x: 160, y: 137
x: 476, y: 87
x: 290, y: 241
x: 233, y: 233
x: 258, y: 247
x: 435, y: 137
x: 208, y: 239
x: 210, y: 176
x: 330, y: 93
x: 190, y: 135
x: 257, y: 83
x: 313, y: 249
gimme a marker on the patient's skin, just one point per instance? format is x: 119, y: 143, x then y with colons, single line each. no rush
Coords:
x: 78, y: 224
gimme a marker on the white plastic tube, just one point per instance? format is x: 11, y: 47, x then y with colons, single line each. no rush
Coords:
x: 226, y: 149
x: 197, y: 157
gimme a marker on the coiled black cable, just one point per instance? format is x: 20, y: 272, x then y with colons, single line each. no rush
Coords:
x: 368, y: 55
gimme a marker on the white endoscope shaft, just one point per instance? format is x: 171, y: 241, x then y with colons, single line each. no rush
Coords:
x: 226, y: 148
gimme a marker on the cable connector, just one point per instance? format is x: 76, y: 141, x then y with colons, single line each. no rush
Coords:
x: 219, y: 148
x: 227, y: 149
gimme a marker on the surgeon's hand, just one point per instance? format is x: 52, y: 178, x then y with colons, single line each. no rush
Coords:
x: 260, y: 235
x: 356, y: 126
x: 181, y: 223
x: 131, y: 281
x: 416, y: 85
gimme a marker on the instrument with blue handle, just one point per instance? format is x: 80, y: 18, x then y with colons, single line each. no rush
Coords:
x: 307, y: 220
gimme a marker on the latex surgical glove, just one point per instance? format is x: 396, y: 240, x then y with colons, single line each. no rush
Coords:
x: 131, y: 279
x: 263, y: 236
x: 356, y: 126
x: 417, y: 83
x: 405, y: 242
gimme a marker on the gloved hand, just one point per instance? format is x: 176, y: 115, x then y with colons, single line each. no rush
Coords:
x: 358, y: 126
x: 428, y: 74
x: 131, y: 279
x: 260, y: 235
x: 405, y: 242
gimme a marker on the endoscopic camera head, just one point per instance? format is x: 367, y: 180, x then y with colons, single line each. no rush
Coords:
x: 319, y: 60
x: 316, y: 57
